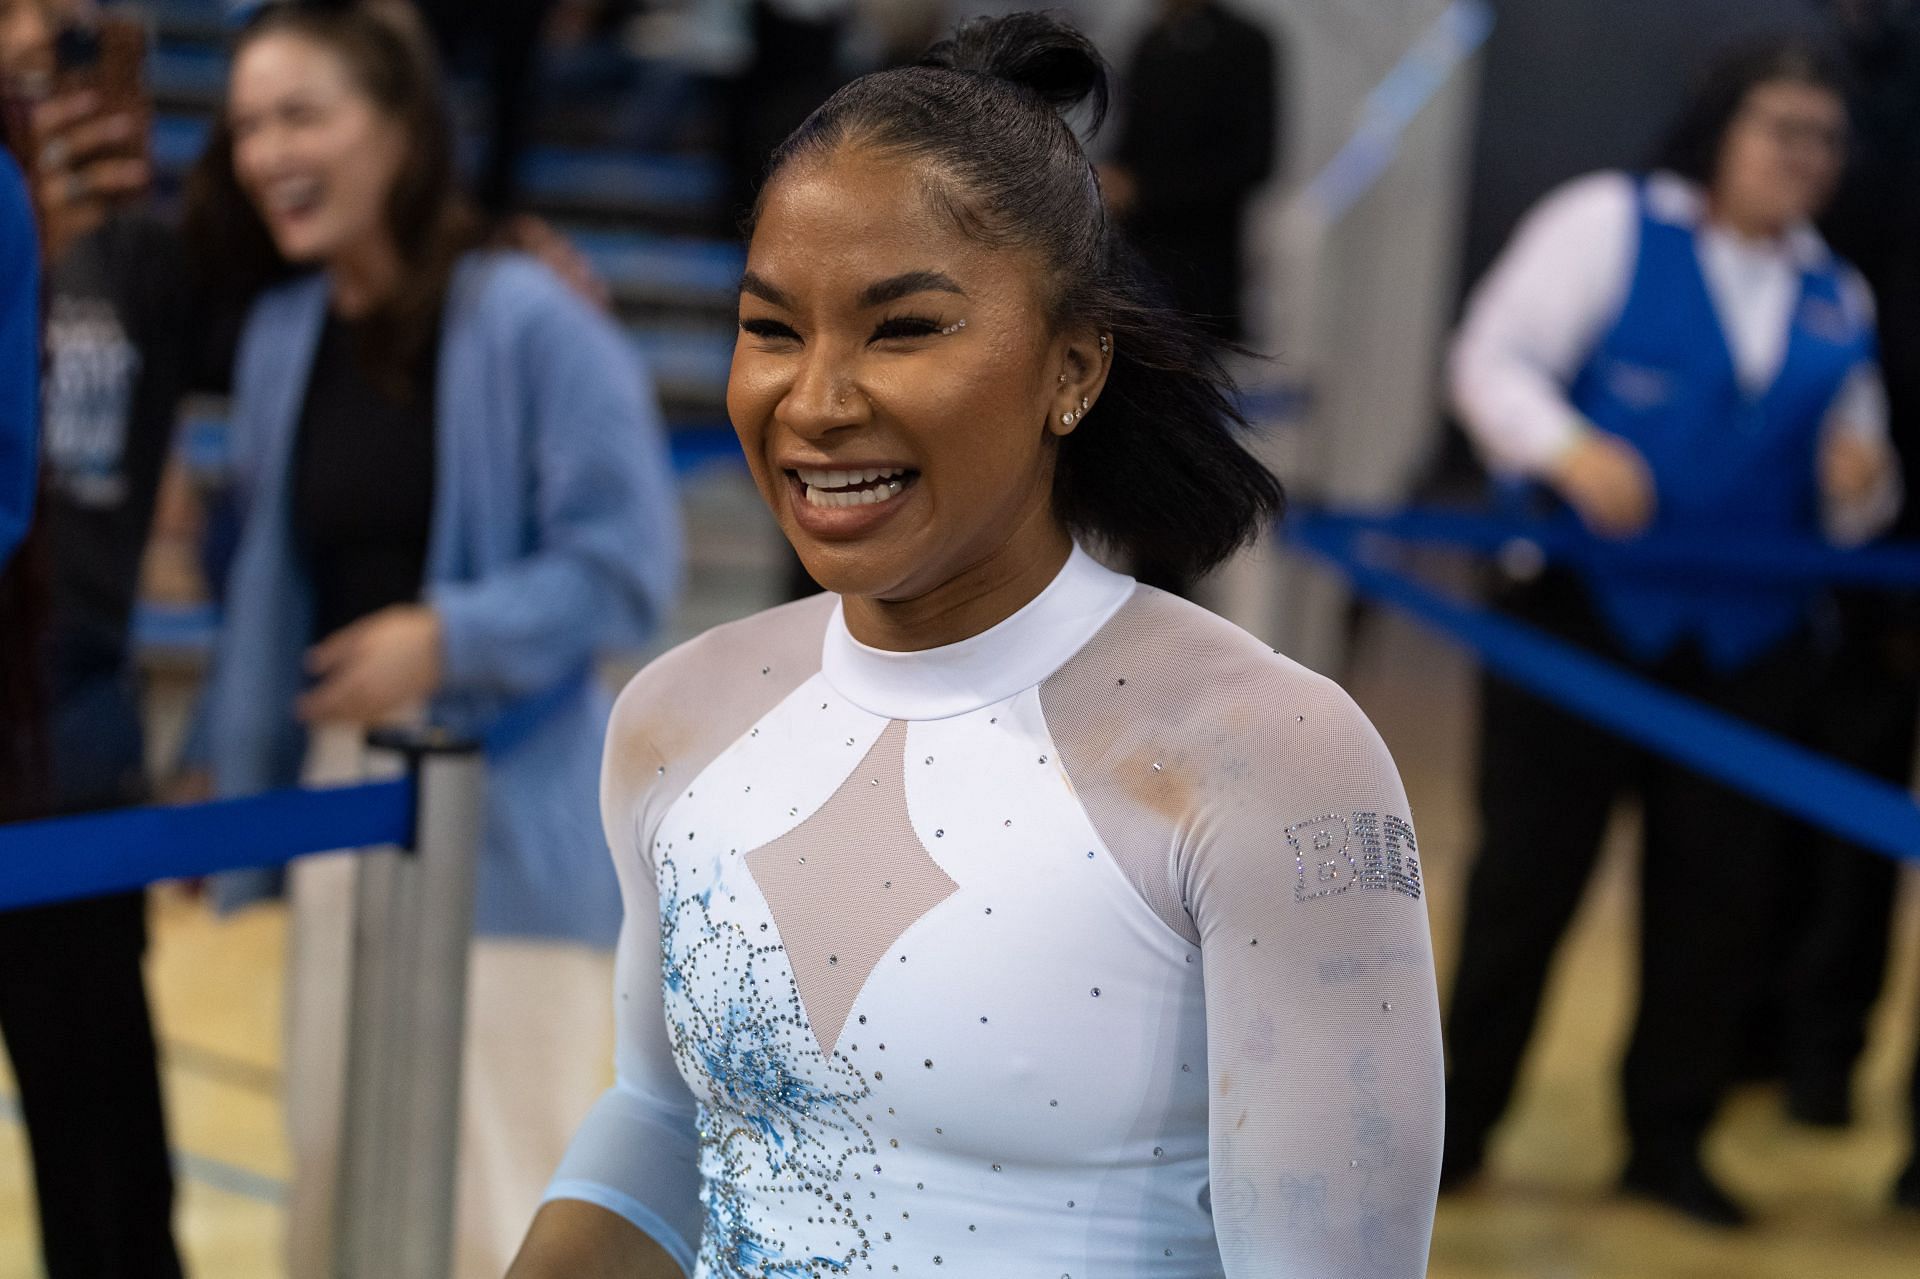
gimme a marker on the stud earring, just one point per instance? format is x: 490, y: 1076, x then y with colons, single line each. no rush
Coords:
x: 1106, y: 344
x: 1084, y: 404
x: 1066, y: 419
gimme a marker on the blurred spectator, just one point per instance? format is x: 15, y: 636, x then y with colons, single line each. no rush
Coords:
x: 1840, y: 964
x: 1198, y: 126
x: 1830, y: 952
x: 73, y: 1002
x: 1680, y: 352
x: 504, y: 36
x: 1199, y: 101
x: 457, y: 497
x: 795, y: 65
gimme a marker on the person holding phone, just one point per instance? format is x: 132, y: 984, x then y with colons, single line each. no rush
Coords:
x: 73, y: 1003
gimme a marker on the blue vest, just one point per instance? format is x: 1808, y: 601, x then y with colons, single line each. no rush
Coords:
x: 1724, y: 461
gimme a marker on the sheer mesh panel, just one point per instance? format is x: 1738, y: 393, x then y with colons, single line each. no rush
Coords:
x: 1259, y: 814
x: 689, y: 705
x: 847, y: 882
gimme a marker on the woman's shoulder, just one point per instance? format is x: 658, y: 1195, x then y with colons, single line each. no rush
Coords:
x: 696, y: 698
x: 1194, y: 674
x: 507, y: 281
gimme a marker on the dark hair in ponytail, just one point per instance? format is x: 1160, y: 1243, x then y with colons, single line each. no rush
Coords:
x: 1158, y: 469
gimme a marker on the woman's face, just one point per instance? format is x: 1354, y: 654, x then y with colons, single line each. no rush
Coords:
x: 896, y: 385
x: 1783, y: 155
x: 314, y: 153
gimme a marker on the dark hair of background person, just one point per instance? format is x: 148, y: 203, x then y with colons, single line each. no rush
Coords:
x: 1693, y: 145
x: 1158, y: 469
x: 392, y: 59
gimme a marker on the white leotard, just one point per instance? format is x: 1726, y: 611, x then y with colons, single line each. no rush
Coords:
x: 1091, y: 946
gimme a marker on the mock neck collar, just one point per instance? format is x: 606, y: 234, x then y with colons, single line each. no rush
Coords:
x: 937, y: 683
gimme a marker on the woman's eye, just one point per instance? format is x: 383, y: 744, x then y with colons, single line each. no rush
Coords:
x: 767, y: 329
x: 905, y: 326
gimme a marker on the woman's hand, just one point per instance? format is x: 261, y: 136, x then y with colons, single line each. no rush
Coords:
x: 380, y: 665
x: 1852, y: 469
x: 570, y: 1239
x: 1608, y: 484
x: 539, y: 238
x: 87, y: 160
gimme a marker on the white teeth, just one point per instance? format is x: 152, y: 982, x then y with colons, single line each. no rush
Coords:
x: 843, y: 479
x: 817, y: 496
x: 294, y: 194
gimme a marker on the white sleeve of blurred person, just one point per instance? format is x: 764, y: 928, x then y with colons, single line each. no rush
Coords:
x: 1535, y: 318
x: 1860, y: 477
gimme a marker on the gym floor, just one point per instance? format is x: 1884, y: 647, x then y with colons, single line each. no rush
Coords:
x: 1543, y: 1212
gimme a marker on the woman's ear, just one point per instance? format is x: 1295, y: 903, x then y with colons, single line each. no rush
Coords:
x: 1085, y: 357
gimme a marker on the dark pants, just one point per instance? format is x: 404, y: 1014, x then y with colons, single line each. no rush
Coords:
x: 73, y: 1009
x: 1836, y: 926
x: 1711, y: 874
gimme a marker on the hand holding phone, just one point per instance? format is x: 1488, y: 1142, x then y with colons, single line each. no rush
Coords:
x: 89, y: 138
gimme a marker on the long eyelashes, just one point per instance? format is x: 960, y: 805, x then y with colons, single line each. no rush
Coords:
x: 894, y: 327
x: 767, y: 329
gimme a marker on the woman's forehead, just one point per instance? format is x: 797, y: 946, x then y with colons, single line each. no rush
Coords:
x: 284, y: 61
x: 855, y: 215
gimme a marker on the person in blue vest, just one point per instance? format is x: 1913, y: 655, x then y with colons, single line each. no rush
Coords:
x: 1677, y: 352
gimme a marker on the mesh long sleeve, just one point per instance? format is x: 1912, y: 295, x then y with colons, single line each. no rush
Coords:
x: 1260, y: 818
x: 636, y: 1155
x: 1323, y: 1034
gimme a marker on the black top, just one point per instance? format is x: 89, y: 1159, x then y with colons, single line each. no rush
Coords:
x: 362, y: 484
x: 115, y: 369
x: 1199, y: 138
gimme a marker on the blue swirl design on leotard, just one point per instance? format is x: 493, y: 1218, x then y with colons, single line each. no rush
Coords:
x: 777, y: 1120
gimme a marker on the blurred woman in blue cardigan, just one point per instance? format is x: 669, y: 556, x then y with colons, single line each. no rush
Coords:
x: 456, y: 496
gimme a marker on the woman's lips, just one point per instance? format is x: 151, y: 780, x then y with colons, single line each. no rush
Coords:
x: 850, y: 502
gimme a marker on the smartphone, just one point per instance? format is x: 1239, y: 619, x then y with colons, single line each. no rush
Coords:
x: 107, y: 55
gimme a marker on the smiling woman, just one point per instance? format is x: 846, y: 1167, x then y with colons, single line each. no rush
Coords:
x: 993, y: 912
x: 456, y: 499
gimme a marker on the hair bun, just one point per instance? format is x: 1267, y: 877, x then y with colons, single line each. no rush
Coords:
x: 1034, y: 50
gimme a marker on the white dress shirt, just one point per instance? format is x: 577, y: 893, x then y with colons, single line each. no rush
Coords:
x: 1561, y: 284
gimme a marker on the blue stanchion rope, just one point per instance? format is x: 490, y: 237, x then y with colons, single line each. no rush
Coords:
x: 1776, y: 772
x: 1764, y: 558
x: 76, y: 857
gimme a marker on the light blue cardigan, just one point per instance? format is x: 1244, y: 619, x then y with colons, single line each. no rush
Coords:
x: 555, y: 538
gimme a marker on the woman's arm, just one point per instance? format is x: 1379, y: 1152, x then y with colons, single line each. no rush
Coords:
x: 626, y: 1199
x: 606, y: 564
x: 1535, y: 318
x: 1325, y: 1087
x: 575, y: 1240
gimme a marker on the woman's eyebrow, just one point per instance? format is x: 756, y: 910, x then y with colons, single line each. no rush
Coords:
x: 905, y: 285
x: 751, y: 283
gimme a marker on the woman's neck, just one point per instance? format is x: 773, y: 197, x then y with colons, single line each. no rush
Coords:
x: 363, y: 275
x: 1744, y: 224
x: 976, y: 599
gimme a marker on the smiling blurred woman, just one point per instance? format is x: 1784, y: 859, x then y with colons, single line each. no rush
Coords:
x: 993, y: 913
x: 456, y: 497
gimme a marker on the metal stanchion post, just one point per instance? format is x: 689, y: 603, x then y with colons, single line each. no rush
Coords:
x: 413, y: 921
